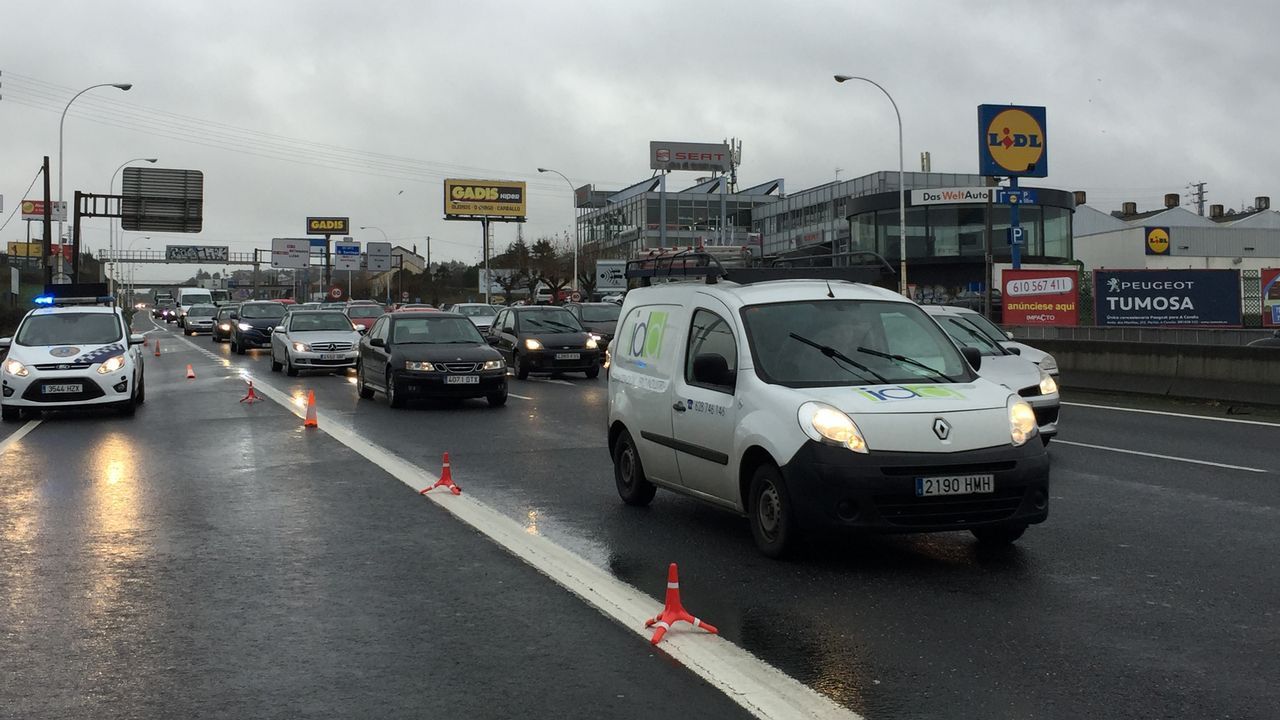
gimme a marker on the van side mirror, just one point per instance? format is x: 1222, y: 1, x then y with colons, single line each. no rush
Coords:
x: 973, y: 355
x: 713, y: 369
x: 1013, y: 350
x: 5, y: 343
x: 377, y: 342
x: 134, y: 339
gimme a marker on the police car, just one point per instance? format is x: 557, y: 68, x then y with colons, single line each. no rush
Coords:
x: 73, y: 351
x: 806, y: 401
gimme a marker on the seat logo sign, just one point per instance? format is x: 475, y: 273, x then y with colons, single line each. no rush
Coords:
x: 1157, y: 241
x: 1012, y: 141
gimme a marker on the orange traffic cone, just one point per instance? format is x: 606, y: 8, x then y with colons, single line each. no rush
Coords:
x: 446, y: 480
x: 250, y: 397
x: 311, y: 420
x: 673, y: 611
x: 157, y: 347
x: 191, y: 374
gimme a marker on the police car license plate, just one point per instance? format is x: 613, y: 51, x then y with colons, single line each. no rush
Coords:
x: 64, y: 388
x: 568, y: 356
x: 462, y: 380
x: 955, y: 485
x: 330, y: 356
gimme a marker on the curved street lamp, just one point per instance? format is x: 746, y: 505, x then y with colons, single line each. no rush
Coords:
x: 61, y: 123
x: 902, y: 188
x: 111, y: 222
x: 577, y: 239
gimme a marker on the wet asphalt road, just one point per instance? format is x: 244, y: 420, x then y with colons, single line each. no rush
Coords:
x: 1151, y: 591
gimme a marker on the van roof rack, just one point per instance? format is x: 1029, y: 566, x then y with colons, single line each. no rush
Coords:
x: 693, y: 263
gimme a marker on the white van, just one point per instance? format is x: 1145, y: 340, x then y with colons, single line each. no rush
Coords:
x: 186, y: 297
x: 810, y: 404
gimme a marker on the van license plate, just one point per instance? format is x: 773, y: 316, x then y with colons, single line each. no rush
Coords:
x: 955, y: 485
x: 66, y: 388
x: 462, y: 380
x: 568, y: 356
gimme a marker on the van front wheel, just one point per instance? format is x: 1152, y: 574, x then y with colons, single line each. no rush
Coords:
x: 773, y: 525
x: 628, y: 473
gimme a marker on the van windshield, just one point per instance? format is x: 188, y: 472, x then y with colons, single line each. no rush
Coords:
x: 820, y: 343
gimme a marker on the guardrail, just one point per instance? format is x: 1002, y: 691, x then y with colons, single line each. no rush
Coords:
x: 1234, y: 337
x: 1205, y: 372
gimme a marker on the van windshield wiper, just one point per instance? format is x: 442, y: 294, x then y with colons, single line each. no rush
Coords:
x: 980, y: 337
x: 838, y: 356
x: 906, y: 361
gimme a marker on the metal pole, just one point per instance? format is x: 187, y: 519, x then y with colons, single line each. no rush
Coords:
x: 484, y: 227
x: 577, y: 239
x: 1015, y: 248
x: 902, y: 188
x: 61, y: 123
x: 46, y: 246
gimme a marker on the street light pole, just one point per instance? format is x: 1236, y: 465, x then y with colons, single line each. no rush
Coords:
x: 62, y: 122
x: 577, y: 235
x: 386, y: 240
x: 111, y: 222
x: 902, y: 188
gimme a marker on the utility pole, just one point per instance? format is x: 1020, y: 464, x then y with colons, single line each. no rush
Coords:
x: 48, y: 227
x: 1197, y: 196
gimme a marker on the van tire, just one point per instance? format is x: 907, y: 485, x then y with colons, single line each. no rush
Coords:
x: 628, y: 473
x: 999, y: 535
x: 773, y: 524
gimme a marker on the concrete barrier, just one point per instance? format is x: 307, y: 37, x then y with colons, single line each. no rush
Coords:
x: 1230, y: 337
x: 1207, y: 372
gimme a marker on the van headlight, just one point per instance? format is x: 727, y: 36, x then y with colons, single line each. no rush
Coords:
x: 829, y: 425
x: 245, y: 327
x: 1022, y: 420
x: 15, y: 368
x: 111, y: 365
x: 1049, y: 365
x: 1048, y: 385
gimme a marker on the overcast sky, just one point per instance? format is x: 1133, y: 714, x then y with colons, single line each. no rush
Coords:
x: 362, y: 109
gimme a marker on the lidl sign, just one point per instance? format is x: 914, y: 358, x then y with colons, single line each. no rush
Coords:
x: 1011, y: 141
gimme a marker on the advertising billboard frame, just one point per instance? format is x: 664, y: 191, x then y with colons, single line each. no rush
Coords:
x: 1041, y: 297
x: 489, y: 200
x: 1212, y: 294
x: 695, y: 157
x: 1269, y: 279
x: 328, y: 225
x: 290, y: 253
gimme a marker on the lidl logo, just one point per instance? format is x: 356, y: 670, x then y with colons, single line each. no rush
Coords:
x: 1157, y: 241
x: 908, y: 392
x: 1012, y: 141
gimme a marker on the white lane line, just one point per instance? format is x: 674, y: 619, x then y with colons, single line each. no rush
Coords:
x: 761, y: 689
x: 552, y: 380
x: 1157, y: 455
x: 18, y: 434
x: 1173, y: 414
x: 522, y: 397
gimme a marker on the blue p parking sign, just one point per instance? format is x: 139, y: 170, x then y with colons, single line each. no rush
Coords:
x: 1016, y: 235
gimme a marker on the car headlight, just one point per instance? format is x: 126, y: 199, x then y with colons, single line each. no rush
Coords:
x: 224, y: 326
x: 1048, y: 385
x: 246, y: 327
x: 532, y: 344
x: 111, y: 365
x: 1022, y: 420
x: 301, y: 347
x: 593, y: 342
x: 415, y: 365
x: 493, y: 365
x: 1049, y: 365
x: 15, y: 368
x: 829, y: 425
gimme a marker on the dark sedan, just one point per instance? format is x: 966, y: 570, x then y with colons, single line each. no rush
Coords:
x: 429, y: 354
x: 253, y: 325
x: 223, y: 322
x: 544, y: 339
x: 598, y: 318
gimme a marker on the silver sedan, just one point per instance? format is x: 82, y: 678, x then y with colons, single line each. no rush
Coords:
x: 314, y: 340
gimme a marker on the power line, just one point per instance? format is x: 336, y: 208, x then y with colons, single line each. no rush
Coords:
x: 19, y: 203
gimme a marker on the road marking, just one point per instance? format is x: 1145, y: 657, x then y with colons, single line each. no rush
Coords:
x: 552, y: 380
x: 1173, y: 414
x: 1157, y: 455
x: 761, y: 689
x: 18, y: 434
x: 522, y: 397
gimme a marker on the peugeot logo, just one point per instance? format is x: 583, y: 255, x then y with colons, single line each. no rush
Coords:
x: 941, y: 428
